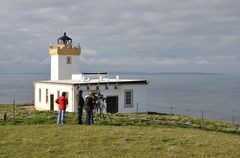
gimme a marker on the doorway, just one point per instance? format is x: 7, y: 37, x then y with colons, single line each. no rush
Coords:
x: 112, y: 104
x: 52, y: 102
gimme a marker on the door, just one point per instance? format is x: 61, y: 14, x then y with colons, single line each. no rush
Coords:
x: 52, y: 102
x: 112, y: 104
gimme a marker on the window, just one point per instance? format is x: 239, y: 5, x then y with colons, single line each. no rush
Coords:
x: 46, y: 95
x: 40, y: 95
x: 58, y: 93
x: 66, y: 94
x: 69, y: 60
x: 128, y: 97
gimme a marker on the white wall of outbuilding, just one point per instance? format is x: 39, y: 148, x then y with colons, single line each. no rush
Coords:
x: 140, y: 95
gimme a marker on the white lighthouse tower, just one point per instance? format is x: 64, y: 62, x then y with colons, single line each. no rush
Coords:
x: 64, y: 59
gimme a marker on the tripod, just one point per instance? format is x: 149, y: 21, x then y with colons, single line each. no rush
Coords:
x: 101, y: 106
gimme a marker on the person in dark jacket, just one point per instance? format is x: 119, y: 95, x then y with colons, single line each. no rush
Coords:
x: 88, y: 106
x: 91, y: 111
x: 80, y: 104
x: 62, y: 102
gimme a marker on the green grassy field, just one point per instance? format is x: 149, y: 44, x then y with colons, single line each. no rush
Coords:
x: 114, y: 141
x: 32, y: 133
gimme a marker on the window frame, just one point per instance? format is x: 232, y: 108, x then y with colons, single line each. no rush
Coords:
x: 58, y: 93
x: 68, y: 60
x: 46, y: 95
x: 39, y: 95
x: 67, y: 94
x: 127, y: 99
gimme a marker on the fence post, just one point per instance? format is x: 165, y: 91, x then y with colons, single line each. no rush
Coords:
x: 137, y: 108
x: 13, y: 110
x: 5, y: 116
x: 202, y: 116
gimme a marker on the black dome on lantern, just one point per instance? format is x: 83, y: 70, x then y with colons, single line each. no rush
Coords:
x: 64, y: 39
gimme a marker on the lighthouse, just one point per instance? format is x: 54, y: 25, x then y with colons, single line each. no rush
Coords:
x: 64, y: 58
x: 119, y: 95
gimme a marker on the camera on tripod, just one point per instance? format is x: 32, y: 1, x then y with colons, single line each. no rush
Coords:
x: 98, y: 96
x: 99, y: 102
x: 100, y: 105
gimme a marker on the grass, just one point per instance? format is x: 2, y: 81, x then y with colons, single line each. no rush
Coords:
x: 32, y: 133
x: 114, y: 141
x: 26, y: 115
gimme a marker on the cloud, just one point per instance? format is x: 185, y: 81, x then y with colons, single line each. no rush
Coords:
x: 88, y: 52
x: 24, y: 59
x: 149, y: 35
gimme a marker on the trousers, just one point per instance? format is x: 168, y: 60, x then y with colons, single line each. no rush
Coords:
x: 61, y: 116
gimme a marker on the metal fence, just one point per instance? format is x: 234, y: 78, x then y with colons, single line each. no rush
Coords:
x: 230, y: 116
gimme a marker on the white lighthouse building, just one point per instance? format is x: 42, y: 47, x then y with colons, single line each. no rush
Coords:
x: 122, y: 95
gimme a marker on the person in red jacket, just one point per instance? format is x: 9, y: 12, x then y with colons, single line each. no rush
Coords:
x: 62, y: 102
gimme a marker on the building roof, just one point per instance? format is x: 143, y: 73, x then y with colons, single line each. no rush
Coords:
x: 96, y: 81
x: 64, y: 39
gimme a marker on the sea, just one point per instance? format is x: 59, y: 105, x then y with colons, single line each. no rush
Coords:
x: 208, y: 96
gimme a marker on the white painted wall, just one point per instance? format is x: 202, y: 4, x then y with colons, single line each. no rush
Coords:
x: 66, y: 70
x: 140, y: 99
x: 54, y: 67
x: 140, y: 96
x: 60, y: 70
x: 52, y: 89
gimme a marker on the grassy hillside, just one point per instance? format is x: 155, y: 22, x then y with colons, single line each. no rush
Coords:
x: 114, y: 141
x: 32, y: 133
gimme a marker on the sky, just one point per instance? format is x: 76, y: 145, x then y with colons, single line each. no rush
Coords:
x: 123, y: 35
